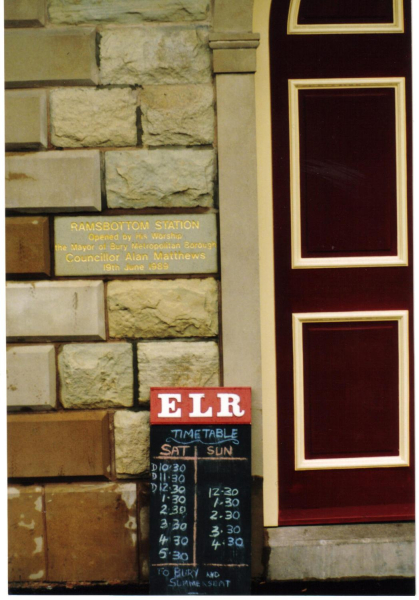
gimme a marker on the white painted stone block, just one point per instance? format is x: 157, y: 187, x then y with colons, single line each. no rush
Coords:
x: 155, y: 55
x: 54, y: 181
x: 31, y: 377
x: 55, y: 310
x: 96, y: 375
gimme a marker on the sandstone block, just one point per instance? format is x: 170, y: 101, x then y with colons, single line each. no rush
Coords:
x: 75, y: 12
x: 58, y: 445
x: 177, y: 364
x: 27, y: 245
x: 93, y: 117
x: 160, y: 309
x: 50, y: 56
x: 31, y: 377
x: 92, y: 532
x: 180, y: 115
x: 155, y: 55
x: 96, y: 375
x: 132, y: 443
x: 26, y: 119
x: 61, y: 310
x: 24, y: 13
x: 54, y: 181
x: 26, y: 534
x: 160, y: 178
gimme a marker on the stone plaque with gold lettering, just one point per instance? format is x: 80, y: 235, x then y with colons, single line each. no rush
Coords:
x: 136, y: 245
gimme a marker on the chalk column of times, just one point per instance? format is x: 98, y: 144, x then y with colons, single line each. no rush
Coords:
x: 132, y: 245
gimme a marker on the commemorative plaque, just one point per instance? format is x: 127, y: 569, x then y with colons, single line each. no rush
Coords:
x: 200, y: 491
x: 136, y: 245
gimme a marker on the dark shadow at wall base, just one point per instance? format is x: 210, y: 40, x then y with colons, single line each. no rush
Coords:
x: 368, y: 587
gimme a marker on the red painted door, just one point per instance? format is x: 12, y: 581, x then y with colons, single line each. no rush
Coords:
x: 341, y: 115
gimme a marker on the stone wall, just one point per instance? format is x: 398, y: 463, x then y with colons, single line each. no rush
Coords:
x: 109, y: 111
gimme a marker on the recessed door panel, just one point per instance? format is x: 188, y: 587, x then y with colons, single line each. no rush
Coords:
x: 341, y: 115
x: 345, y: 11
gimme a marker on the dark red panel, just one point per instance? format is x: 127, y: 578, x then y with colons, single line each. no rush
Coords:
x: 313, y: 12
x: 348, y: 172
x: 351, y: 389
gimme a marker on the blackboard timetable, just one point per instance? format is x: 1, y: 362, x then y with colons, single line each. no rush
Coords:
x: 200, y: 509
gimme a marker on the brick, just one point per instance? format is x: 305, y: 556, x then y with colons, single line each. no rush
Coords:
x: 54, y: 181
x: 24, y: 13
x: 160, y: 309
x: 96, y: 375
x: 89, y: 117
x: 55, y: 310
x: 92, y: 532
x: 177, y: 364
x: 31, y: 377
x: 50, y: 56
x: 155, y: 55
x: 58, y: 445
x: 27, y: 245
x: 160, y: 178
x: 26, y: 534
x: 26, y: 123
x: 75, y: 12
x: 180, y: 115
x: 132, y: 443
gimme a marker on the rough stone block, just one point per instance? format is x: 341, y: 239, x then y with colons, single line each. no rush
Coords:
x: 27, y: 245
x: 26, y: 123
x: 132, y: 443
x: 93, y: 117
x: 160, y: 178
x: 26, y: 534
x: 55, y: 310
x: 75, y: 12
x: 96, y: 375
x: 180, y: 115
x: 160, y: 309
x: 50, y: 56
x: 341, y: 551
x: 177, y: 364
x: 24, y: 13
x: 92, y: 532
x: 31, y: 376
x: 59, y: 445
x: 54, y: 181
x: 155, y: 55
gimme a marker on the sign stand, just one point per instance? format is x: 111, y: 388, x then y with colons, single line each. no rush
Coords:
x: 200, y: 491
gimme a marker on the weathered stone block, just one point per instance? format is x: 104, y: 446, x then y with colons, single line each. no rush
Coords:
x: 54, y: 181
x: 26, y: 534
x: 26, y: 123
x: 93, y: 117
x: 24, y: 13
x: 61, y: 310
x: 50, y: 56
x: 74, y: 12
x: 180, y: 115
x: 144, y: 525
x: 132, y: 443
x: 155, y: 55
x: 341, y: 552
x: 160, y: 178
x: 27, y: 245
x: 31, y: 377
x: 177, y: 364
x: 92, y: 532
x: 59, y: 445
x: 160, y: 309
x: 96, y: 375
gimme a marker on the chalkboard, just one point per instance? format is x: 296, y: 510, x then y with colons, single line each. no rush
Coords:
x: 200, y: 510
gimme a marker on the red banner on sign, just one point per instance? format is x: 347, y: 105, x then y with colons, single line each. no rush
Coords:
x: 200, y: 405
